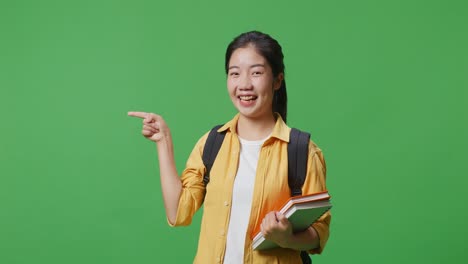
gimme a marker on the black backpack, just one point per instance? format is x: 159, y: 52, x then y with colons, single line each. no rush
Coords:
x: 298, y: 150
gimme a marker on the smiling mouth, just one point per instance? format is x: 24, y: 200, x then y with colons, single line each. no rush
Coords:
x: 247, y: 98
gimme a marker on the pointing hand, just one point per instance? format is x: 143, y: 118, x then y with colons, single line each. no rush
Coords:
x: 154, y: 126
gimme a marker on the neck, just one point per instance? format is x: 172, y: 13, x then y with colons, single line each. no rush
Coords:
x: 255, y: 129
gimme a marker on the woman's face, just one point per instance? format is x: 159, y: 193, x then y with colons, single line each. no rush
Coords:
x: 251, y: 83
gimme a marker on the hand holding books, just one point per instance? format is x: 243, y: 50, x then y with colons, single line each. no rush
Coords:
x: 275, y: 227
x: 299, y: 212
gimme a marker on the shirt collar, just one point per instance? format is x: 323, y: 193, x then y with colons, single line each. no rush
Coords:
x: 280, y: 131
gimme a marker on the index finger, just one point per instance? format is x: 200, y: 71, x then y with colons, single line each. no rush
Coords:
x: 138, y: 114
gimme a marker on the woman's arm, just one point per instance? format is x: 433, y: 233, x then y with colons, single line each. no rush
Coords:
x: 156, y: 130
x: 277, y: 228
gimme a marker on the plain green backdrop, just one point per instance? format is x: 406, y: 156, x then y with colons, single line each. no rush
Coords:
x: 381, y: 85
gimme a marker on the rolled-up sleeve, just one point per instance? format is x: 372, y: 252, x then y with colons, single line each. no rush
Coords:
x: 193, y: 188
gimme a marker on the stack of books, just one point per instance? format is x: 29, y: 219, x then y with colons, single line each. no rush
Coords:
x: 301, y: 211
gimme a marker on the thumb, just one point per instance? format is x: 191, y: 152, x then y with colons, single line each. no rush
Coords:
x: 281, y: 218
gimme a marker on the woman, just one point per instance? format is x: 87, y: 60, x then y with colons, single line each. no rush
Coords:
x: 249, y: 176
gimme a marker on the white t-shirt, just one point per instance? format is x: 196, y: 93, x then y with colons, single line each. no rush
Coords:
x: 242, y: 194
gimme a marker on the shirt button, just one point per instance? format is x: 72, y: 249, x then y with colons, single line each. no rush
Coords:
x: 226, y: 203
x: 218, y: 259
x: 221, y: 232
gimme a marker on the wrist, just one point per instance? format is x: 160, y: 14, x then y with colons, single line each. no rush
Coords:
x: 164, y: 140
x: 304, y: 240
x: 288, y: 241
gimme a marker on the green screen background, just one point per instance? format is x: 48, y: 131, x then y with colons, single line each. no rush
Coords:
x: 381, y: 85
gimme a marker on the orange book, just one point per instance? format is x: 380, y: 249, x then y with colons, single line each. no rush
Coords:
x: 301, y: 211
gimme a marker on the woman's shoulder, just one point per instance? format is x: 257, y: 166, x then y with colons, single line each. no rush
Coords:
x: 218, y: 129
x: 313, y: 147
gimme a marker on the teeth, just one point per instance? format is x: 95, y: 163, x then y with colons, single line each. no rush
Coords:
x: 247, y: 98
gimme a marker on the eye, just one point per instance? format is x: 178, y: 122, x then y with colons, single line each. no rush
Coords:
x: 256, y: 73
x: 233, y: 74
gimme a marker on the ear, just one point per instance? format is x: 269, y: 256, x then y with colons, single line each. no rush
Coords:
x: 278, y: 81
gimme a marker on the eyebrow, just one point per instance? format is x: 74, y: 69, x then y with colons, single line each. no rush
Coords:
x: 251, y: 66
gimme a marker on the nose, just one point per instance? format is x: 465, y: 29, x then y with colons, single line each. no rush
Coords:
x: 245, y: 83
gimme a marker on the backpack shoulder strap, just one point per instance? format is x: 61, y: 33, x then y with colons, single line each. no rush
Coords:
x: 211, y: 149
x: 298, y: 151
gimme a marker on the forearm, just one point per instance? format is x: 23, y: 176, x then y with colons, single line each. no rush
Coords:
x: 170, y: 182
x: 305, y: 240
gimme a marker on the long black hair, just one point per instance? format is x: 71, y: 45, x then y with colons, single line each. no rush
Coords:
x: 271, y: 50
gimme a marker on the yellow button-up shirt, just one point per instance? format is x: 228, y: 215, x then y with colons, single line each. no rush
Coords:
x: 271, y: 189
